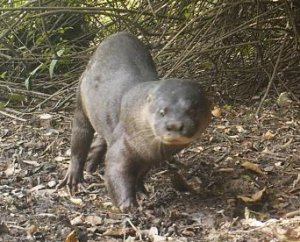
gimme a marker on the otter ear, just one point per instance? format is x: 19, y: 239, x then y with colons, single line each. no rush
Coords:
x: 149, y: 98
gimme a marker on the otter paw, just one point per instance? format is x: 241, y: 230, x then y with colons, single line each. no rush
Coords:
x: 72, y: 181
x: 130, y: 205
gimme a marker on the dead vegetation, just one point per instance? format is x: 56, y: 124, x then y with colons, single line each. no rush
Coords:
x: 240, y: 183
x: 236, y: 48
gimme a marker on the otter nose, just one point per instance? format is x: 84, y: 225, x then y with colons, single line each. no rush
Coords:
x: 174, y: 126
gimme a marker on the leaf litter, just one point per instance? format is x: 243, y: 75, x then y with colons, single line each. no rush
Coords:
x: 240, y: 182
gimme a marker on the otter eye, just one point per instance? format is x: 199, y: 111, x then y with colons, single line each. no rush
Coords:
x: 162, y: 112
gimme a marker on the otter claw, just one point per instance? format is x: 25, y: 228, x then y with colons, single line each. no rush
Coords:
x: 71, y: 184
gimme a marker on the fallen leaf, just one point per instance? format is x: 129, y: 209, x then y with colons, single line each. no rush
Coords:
x: 77, y: 201
x: 12, y: 170
x: 51, y: 184
x: 153, y: 231
x: 159, y: 238
x: 254, y: 198
x: 257, y: 196
x: 93, y: 220
x: 268, y: 135
x: 60, y: 158
x: 252, y: 167
x: 284, y: 100
x: 287, y: 234
x: 31, y: 229
x: 31, y: 162
x: 72, y: 237
x: 130, y: 239
x: 119, y: 231
x: 216, y: 112
x: 45, y: 116
x: 77, y: 220
x: 189, y: 232
x: 37, y: 187
x: 240, y: 129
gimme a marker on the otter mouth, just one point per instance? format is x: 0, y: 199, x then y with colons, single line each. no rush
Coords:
x: 175, y: 140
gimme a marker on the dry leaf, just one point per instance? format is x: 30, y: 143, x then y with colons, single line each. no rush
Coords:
x: 45, y: 116
x: 31, y: 162
x: 130, y: 239
x: 284, y: 100
x: 287, y: 234
x: 60, y: 158
x: 252, y: 167
x: 37, y: 187
x: 221, y: 127
x: 257, y: 196
x: 31, y: 229
x: 12, y: 170
x: 159, y: 238
x: 216, y: 112
x: 77, y: 220
x: 188, y: 232
x: 268, y: 135
x: 72, y: 237
x: 93, y: 220
x: 77, y: 201
x: 153, y: 231
x: 119, y: 231
x: 240, y: 129
x: 254, y: 198
x: 51, y: 184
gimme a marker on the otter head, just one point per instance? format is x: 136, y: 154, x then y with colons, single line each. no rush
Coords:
x: 178, y: 111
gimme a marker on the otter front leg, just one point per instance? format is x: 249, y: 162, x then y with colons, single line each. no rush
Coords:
x: 96, y: 154
x: 82, y: 135
x: 121, y: 176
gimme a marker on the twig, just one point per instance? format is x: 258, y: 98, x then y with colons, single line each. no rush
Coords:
x: 272, y: 77
x: 12, y: 116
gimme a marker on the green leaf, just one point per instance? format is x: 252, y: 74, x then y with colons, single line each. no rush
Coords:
x: 28, y: 83
x: 2, y: 106
x: 54, y: 62
x: 17, y: 98
x: 36, y: 69
x: 2, y: 75
x: 51, y: 67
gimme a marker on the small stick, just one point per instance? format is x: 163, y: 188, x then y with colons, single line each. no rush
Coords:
x: 272, y: 77
x: 12, y: 116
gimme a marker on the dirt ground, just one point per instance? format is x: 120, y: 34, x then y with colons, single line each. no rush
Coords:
x: 240, y: 182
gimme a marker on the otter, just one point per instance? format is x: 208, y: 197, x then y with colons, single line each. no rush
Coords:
x: 139, y: 119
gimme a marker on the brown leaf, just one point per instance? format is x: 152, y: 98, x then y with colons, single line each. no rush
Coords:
x: 287, y: 234
x: 254, y: 198
x: 268, y: 135
x: 118, y: 231
x: 72, y: 237
x: 252, y: 167
x: 93, y: 220
x: 216, y: 112
x: 188, y: 232
x: 77, y: 201
x: 77, y: 220
x: 31, y: 229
